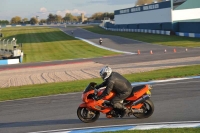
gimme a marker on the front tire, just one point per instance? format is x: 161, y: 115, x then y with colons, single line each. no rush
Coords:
x: 148, y: 108
x: 86, y: 115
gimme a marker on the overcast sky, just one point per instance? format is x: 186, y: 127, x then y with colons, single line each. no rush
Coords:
x: 42, y: 8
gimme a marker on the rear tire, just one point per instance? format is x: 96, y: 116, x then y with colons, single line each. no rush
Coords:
x: 86, y: 115
x: 148, y: 108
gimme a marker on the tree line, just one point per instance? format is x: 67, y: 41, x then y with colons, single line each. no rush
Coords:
x: 54, y: 18
x: 4, y: 22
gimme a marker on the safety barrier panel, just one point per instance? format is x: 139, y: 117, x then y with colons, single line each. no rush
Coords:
x: 139, y: 30
x: 195, y: 35
x: 9, y: 61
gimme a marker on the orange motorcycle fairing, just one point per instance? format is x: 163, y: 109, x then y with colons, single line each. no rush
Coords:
x: 85, y: 96
x: 83, y: 105
x: 108, y: 97
x: 98, y: 106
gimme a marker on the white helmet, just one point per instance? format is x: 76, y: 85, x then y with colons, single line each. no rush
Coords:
x: 105, y: 72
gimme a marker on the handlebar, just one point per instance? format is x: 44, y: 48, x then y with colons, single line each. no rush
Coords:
x: 95, y: 91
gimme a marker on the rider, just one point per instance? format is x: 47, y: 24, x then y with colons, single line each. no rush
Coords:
x: 117, y: 83
x: 100, y: 41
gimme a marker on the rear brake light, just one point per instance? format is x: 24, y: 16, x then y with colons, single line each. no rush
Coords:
x: 150, y: 87
x: 148, y: 92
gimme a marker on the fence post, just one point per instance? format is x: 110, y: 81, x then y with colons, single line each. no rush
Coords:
x: 0, y: 44
x: 4, y: 46
x: 7, y: 45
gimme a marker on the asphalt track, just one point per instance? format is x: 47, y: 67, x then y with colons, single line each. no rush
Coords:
x: 118, y: 43
x: 174, y: 101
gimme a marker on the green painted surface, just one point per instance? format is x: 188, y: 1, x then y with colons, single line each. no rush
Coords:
x: 188, y: 20
x: 189, y: 4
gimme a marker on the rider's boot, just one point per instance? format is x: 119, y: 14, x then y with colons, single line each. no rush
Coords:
x: 125, y: 112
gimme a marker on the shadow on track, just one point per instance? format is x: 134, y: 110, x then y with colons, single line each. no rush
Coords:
x: 53, y: 122
x: 40, y: 123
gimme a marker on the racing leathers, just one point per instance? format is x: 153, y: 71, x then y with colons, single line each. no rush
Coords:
x: 120, y: 85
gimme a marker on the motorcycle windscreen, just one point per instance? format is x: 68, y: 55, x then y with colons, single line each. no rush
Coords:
x: 89, y: 87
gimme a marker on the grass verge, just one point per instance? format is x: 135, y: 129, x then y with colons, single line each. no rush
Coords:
x: 46, y: 44
x: 78, y: 86
x: 150, y: 38
x: 164, y: 130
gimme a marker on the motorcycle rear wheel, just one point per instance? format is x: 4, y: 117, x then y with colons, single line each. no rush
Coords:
x: 148, y: 108
x: 83, y: 111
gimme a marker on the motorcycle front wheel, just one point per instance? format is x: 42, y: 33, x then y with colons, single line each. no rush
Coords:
x: 86, y: 115
x: 148, y: 109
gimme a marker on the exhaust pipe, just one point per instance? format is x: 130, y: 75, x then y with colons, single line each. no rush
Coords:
x: 137, y: 111
x: 142, y: 99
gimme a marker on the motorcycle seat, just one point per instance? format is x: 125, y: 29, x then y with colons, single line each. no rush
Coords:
x: 137, y: 88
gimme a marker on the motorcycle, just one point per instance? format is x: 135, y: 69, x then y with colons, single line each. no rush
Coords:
x: 138, y: 103
x: 100, y: 42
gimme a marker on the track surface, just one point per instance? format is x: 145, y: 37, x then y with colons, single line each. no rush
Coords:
x: 173, y: 101
x: 119, y: 43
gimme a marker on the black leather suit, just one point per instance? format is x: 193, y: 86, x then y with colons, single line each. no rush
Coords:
x: 121, y: 86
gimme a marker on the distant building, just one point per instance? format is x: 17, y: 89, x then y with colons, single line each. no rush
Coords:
x: 170, y: 15
x: 176, y: 3
x: 83, y: 18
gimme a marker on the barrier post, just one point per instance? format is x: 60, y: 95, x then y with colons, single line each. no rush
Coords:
x: 3, y: 46
x: 1, y: 35
x: 0, y: 44
x: 21, y: 57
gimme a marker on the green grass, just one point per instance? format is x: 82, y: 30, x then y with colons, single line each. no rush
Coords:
x: 46, y: 44
x: 150, y: 38
x: 78, y: 86
x: 164, y: 130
